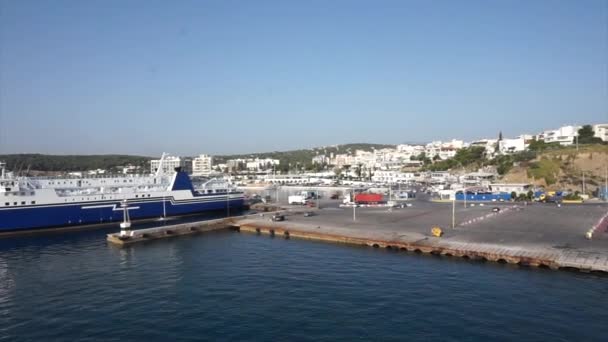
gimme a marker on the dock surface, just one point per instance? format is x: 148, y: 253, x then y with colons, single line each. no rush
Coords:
x: 532, y: 235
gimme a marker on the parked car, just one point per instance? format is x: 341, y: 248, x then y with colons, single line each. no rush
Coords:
x: 496, y: 209
x: 278, y: 217
x: 308, y: 214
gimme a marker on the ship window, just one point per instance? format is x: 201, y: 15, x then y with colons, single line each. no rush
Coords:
x: 14, y: 203
x: 148, y: 195
x: 136, y: 196
x: 33, y: 202
x: 7, y: 203
x: 23, y: 203
x: 7, y: 189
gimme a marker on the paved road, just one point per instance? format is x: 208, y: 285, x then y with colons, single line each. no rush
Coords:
x: 547, y: 225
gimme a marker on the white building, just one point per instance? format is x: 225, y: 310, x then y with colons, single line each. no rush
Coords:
x: 443, y: 150
x: 488, y: 144
x: 508, y: 146
x: 261, y: 164
x: 202, y: 165
x: 129, y: 169
x: 565, y: 135
x: 439, y: 177
x: 251, y: 164
x: 393, y: 177
x: 412, y: 149
x: 480, y: 178
x: 518, y: 188
x: 170, y: 163
x: 601, y: 131
x: 96, y: 172
x: 320, y: 159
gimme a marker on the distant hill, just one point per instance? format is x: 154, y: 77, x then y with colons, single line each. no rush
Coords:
x: 304, y: 156
x: 563, y: 169
x: 58, y: 163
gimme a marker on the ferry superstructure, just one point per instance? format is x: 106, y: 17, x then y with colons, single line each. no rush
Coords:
x: 39, y: 203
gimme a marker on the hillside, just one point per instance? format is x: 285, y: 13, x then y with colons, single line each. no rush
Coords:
x: 563, y: 169
x: 59, y: 163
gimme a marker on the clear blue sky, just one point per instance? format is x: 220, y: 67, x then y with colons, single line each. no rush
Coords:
x: 189, y: 77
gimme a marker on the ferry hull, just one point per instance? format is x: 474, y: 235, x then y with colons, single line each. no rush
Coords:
x: 64, y: 215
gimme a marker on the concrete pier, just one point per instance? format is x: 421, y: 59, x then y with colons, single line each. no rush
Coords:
x: 163, y: 232
x: 528, y: 235
x: 535, y: 235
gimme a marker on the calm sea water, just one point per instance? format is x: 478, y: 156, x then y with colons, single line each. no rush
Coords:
x: 231, y: 286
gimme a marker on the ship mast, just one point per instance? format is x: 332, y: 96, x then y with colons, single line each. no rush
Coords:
x: 159, y: 170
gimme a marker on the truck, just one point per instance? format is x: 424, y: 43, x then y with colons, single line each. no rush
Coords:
x: 369, y: 198
x: 551, y: 197
x: 296, y: 199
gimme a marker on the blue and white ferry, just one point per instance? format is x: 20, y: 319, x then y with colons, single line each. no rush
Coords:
x: 41, y: 203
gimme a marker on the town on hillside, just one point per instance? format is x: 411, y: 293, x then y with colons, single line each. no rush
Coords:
x: 447, y: 167
x: 570, y: 160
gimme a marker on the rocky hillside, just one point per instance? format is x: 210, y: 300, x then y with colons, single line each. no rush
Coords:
x: 563, y: 169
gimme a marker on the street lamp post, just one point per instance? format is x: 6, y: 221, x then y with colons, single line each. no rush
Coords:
x: 584, y: 182
x: 354, y: 206
x: 454, y: 211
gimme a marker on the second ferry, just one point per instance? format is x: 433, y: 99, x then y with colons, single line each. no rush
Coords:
x: 41, y: 203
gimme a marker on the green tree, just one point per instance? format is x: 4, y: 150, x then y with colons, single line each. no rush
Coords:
x: 585, y: 136
x: 541, y: 145
x: 530, y: 195
x: 338, y: 172
x: 497, y: 147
